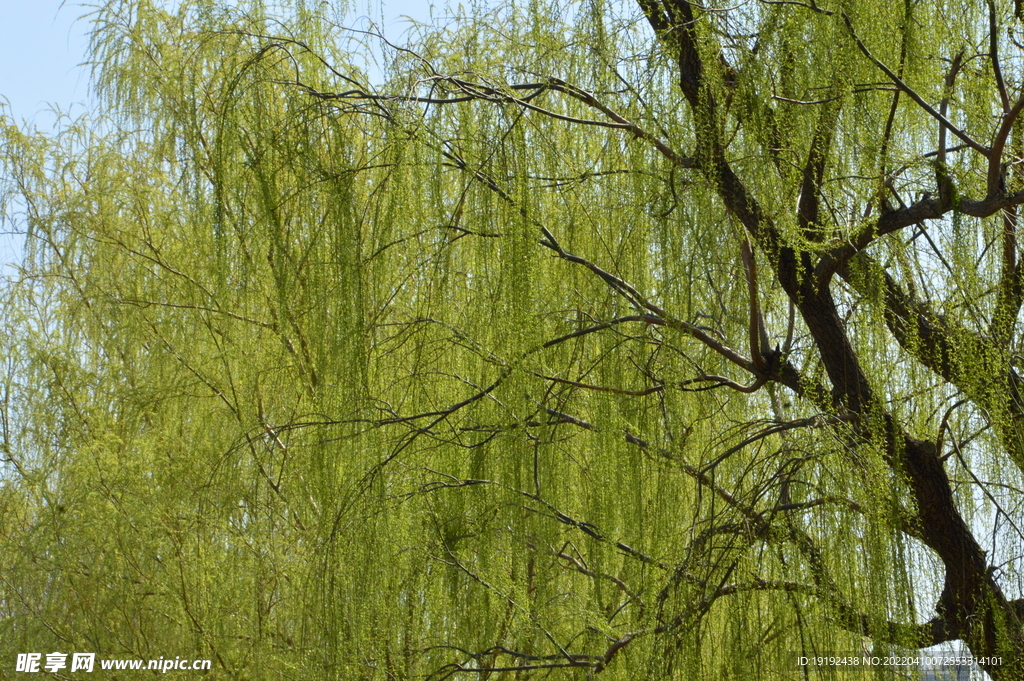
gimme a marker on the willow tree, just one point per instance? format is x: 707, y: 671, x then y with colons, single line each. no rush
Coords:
x: 653, y: 341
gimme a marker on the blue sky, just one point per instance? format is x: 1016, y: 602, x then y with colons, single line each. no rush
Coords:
x: 41, y: 46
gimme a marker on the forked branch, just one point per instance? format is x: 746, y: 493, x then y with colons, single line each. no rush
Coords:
x: 657, y: 314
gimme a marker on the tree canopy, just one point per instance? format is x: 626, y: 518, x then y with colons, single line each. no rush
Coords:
x: 565, y: 339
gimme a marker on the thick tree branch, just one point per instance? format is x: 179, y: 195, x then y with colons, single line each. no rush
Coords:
x: 1010, y: 294
x: 809, y: 202
x: 927, y: 208
x: 758, y: 336
x: 993, y: 54
x: 995, y: 181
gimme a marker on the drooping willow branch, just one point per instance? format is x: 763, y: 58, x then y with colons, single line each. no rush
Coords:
x: 475, y: 92
x: 488, y: 93
x: 471, y: 91
x: 898, y: 82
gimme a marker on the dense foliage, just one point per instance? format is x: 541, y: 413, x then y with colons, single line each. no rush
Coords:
x: 655, y: 340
